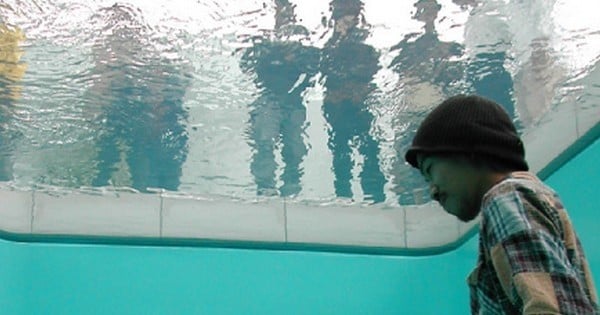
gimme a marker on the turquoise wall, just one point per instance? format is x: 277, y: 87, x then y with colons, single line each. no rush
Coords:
x: 578, y: 184
x: 40, y: 278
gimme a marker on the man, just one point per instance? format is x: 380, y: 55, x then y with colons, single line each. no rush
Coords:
x: 530, y: 259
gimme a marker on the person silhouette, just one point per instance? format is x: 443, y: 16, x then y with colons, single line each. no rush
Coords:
x: 429, y: 69
x: 432, y: 70
x: 282, y: 69
x: 348, y: 66
x: 12, y: 71
x: 425, y: 60
x: 486, y: 74
x: 141, y: 95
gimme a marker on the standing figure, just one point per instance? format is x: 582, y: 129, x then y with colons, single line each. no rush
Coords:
x: 426, y: 63
x: 488, y: 42
x: 142, y: 140
x: 283, y: 68
x: 429, y: 69
x: 348, y: 66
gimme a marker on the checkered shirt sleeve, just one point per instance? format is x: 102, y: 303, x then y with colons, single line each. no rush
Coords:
x: 531, y: 261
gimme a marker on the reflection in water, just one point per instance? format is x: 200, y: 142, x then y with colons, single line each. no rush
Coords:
x: 540, y: 74
x: 283, y: 69
x: 424, y: 61
x: 430, y: 70
x: 142, y: 142
x: 349, y: 66
x: 11, y: 73
x: 124, y: 122
x: 487, y: 73
x: 538, y: 79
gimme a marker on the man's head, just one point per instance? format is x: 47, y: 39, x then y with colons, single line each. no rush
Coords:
x: 464, y: 146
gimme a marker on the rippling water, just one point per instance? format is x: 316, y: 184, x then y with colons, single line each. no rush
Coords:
x: 313, y: 99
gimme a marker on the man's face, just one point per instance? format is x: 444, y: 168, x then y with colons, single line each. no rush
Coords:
x: 454, y: 183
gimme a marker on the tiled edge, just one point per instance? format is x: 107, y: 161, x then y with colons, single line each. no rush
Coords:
x: 345, y: 225
x: 550, y: 137
x: 466, y: 227
x: 269, y: 220
x: 15, y: 210
x: 220, y: 219
x: 588, y: 100
x: 429, y: 225
x: 114, y: 214
x: 588, y: 111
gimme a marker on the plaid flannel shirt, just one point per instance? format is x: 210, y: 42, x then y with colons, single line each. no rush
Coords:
x: 530, y: 259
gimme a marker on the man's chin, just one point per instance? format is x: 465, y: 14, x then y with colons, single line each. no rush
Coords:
x: 467, y: 217
x: 462, y: 216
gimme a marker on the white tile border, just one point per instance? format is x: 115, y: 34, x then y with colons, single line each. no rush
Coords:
x: 552, y: 135
x: 16, y: 211
x: 127, y: 214
x: 347, y: 225
x: 588, y: 113
x: 122, y: 214
x: 429, y: 225
x: 588, y: 100
x: 219, y: 219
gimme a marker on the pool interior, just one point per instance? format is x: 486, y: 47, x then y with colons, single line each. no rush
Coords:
x: 78, y: 278
x: 97, y: 251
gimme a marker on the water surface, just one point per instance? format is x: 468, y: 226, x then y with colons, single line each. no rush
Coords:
x: 315, y: 100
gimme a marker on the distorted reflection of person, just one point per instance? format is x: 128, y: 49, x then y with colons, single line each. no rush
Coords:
x: 429, y: 70
x: 487, y: 44
x: 282, y: 67
x: 348, y: 66
x: 142, y: 141
x: 537, y: 81
x: 426, y: 62
x: 542, y: 72
x: 12, y: 71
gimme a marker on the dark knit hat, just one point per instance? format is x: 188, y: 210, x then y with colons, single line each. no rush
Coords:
x: 471, y: 125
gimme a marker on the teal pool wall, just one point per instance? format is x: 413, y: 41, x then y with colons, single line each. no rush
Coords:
x: 63, y: 278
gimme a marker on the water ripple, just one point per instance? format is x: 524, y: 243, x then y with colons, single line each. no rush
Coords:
x: 312, y: 100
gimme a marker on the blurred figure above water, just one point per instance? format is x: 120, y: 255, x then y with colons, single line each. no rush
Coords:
x: 426, y: 64
x: 432, y: 69
x: 12, y: 71
x: 538, y: 72
x: 430, y: 66
x: 142, y: 138
x: 283, y: 68
x: 429, y: 71
x: 486, y: 73
x: 103, y: 103
x: 348, y: 66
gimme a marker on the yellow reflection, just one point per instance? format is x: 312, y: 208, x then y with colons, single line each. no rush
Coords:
x: 10, y: 54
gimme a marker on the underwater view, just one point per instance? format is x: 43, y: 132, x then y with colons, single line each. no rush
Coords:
x: 313, y: 100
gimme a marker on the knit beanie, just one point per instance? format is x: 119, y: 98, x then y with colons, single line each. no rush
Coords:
x: 471, y: 125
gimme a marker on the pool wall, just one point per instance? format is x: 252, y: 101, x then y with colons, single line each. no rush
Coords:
x: 79, y: 278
